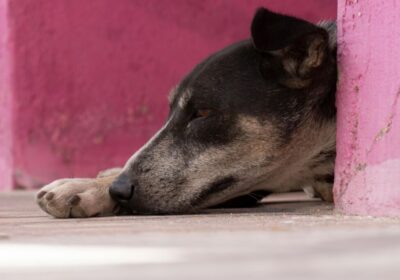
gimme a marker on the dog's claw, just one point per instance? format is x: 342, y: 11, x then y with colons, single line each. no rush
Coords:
x: 74, y: 200
x: 40, y: 194
x: 49, y: 196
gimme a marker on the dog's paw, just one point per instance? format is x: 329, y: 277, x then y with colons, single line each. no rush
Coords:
x: 322, y: 191
x: 77, y: 198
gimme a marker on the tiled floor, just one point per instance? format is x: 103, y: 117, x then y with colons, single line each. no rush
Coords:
x: 288, y: 237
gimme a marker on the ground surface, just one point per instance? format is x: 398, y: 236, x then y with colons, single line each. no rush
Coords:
x: 281, y: 239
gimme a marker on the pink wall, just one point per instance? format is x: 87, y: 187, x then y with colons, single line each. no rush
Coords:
x: 368, y: 161
x: 90, y: 78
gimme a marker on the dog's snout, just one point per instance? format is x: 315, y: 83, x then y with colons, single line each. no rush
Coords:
x: 122, y: 188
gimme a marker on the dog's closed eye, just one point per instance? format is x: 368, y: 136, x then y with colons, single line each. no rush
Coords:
x: 202, y: 113
x: 198, y: 117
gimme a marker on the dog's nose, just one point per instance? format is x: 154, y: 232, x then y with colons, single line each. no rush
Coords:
x: 122, y: 188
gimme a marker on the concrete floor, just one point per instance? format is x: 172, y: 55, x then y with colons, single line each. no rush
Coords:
x: 288, y: 237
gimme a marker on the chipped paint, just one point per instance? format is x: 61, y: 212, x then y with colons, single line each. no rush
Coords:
x: 368, y: 137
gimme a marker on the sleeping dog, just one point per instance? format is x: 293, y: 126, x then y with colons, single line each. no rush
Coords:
x: 254, y: 118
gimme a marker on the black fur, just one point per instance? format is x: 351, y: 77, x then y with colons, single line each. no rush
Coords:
x: 283, y: 75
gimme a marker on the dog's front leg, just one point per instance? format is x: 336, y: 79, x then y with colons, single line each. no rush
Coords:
x: 79, y: 198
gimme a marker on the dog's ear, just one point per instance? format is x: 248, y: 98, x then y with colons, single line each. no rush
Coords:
x: 296, y: 48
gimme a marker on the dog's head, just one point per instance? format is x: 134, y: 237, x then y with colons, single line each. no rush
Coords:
x: 235, y: 121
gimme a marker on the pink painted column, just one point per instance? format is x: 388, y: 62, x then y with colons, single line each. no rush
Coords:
x: 367, y: 178
x: 6, y: 159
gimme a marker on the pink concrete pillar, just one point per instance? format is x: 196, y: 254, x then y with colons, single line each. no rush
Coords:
x: 6, y: 162
x: 367, y: 178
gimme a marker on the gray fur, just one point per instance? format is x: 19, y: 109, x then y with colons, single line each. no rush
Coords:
x: 176, y: 177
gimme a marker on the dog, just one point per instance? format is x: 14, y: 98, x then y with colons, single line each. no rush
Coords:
x: 255, y: 118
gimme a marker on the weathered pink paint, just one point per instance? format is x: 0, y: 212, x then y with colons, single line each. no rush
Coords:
x: 6, y: 162
x: 90, y: 78
x: 368, y: 160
